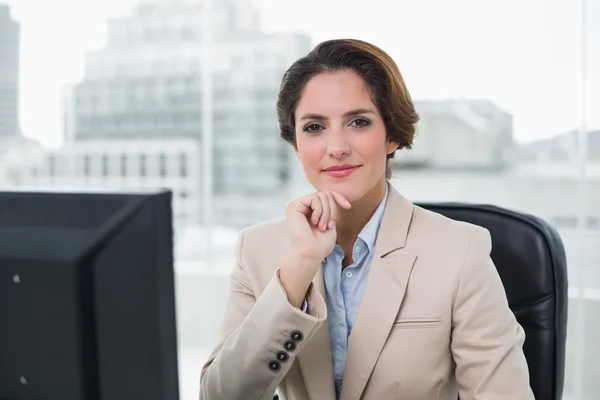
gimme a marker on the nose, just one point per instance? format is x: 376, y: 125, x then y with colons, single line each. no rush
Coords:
x: 338, y: 145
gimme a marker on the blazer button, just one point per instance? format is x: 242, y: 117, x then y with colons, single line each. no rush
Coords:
x: 282, y: 356
x: 289, y: 345
x: 297, y: 336
x: 274, y: 366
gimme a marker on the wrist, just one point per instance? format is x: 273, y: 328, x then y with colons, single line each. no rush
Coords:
x: 303, y: 259
x: 296, y: 275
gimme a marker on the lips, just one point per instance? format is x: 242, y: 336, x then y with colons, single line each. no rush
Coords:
x: 341, y: 171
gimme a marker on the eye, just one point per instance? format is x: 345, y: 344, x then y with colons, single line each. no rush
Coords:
x: 312, y: 128
x: 360, y: 122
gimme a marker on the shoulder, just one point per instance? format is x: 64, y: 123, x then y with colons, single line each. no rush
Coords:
x: 272, y: 229
x: 259, y: 251
x: 264, y: 238
x: 438, y: 231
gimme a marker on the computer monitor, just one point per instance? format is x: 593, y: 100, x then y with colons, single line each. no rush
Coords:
x: 87, y: 309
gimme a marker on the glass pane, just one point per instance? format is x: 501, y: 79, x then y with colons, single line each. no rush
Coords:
x: 120, y: 104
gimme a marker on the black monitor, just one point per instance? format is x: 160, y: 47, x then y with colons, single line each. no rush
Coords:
x: 87, y: 309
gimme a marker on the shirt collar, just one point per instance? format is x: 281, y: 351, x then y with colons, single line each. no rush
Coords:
x: 369, y: 233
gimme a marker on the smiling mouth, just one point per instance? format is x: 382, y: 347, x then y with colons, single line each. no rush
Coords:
x: 341, y: 171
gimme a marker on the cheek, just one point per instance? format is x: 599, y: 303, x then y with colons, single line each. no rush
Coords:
x: 371, y: 149
x: 310, y: 152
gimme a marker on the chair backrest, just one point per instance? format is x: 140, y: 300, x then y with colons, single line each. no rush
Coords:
x: 530, y: 258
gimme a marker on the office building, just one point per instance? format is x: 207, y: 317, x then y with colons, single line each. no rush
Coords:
x: 561, y: 148
x: 9, y: 75
x: 146, y: 84
x: 461, y: 134
x: 115, y: 165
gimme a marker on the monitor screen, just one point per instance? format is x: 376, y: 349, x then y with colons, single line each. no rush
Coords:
x: 87, y: 305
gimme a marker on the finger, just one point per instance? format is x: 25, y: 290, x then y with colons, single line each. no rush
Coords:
x: 314, y: 203
x: 324, y: 219
x: 341, y: 200
x: 301, y: 205
x: 334, y: 212
x: 301, y: 208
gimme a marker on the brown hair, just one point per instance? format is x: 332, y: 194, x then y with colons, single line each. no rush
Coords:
x: 380, y: 73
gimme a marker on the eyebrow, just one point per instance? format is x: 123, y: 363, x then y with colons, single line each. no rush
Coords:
x: 351, y: 113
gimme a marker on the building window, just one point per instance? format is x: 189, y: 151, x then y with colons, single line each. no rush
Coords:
x: 123, y: 165
x: 284, y: 175
x: 565, y: 222
x: 183, y: 167
x: 163, y: 165
x: 87, y: 165
x: 104, y: 165
x: 572, y: 223
x: 52, y: 165
x: 593, y: 223
x: 143, y: 166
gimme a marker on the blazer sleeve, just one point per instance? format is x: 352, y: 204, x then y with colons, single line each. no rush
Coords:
x: 487, y: 340
x: 255, y: 330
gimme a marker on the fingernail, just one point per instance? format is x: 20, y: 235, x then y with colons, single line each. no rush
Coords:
x: 330, y: 225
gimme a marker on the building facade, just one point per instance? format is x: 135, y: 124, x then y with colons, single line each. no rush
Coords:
x: 120, y: 164
x: 146, y: 84
x: 461, y: 134
x: 9, y: 74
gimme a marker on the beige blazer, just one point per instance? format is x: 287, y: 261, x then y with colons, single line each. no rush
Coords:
x: 433, y: 323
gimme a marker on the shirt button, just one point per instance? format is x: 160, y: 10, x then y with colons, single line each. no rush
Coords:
x: 359, y: 249
x: 348, y: 274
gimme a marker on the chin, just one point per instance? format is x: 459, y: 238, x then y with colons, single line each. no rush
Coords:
x: 352, y: 191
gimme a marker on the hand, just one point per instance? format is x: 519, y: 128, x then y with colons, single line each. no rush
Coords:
x: 311, y: 223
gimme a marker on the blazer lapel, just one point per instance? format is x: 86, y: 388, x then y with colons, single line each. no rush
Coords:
x: 386, y: 285
x: 315, y: 358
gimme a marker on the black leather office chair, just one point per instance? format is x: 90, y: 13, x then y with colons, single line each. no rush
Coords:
x: 530, y: 259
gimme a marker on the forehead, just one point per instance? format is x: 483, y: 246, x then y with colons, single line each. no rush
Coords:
x: 334, y: 93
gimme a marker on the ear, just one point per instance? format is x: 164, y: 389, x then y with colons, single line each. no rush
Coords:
x: 391, y: 147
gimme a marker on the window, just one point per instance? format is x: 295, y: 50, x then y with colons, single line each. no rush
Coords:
x: 123, y: 165
x: 163, y: 165
x: 52, y: 165
x: 501, y: 86
x: 87, y: 165
x: 143, y: 166
x: 572, y: 222
x: 104, y: 165
x: 565, y: 222
x: 183, y: 167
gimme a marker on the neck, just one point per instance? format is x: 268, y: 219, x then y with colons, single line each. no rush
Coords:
x: 351, y: 222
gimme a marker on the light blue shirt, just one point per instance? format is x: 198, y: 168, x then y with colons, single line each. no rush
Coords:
x: 345, y: 288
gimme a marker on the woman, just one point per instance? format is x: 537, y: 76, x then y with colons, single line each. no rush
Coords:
x: 358, y: 293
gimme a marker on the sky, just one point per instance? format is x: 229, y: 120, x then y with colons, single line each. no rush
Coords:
x: 524, y: 55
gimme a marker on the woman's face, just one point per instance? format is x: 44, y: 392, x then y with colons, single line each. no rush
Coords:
x: 340, y: 136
